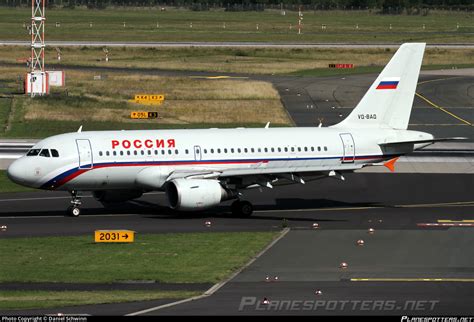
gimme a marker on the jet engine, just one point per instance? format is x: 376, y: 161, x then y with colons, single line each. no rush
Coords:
x: 195, y: 194
x: 116, y: 195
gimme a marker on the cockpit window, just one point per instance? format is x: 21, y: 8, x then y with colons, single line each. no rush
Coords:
x: 33, y: 152
x: 55, y: 153
x: 44, y: 153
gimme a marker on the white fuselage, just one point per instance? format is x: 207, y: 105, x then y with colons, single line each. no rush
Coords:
x: 114, y: 159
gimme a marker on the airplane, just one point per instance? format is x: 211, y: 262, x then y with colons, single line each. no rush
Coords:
x: 200, y: 168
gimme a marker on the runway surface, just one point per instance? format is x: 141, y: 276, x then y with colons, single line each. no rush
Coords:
x: 403, y: 260
x: 340, y: 204
x: 306, y: 259
x: 331, y: 99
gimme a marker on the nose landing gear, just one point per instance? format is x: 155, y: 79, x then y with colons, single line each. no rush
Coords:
x: 73, y: 210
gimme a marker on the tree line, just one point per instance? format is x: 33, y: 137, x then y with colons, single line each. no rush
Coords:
x: 384, y: 6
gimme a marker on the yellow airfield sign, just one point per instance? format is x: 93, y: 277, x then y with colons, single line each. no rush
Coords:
x: 148, y: 99
x: 143, y: 115
x: 114, y: 236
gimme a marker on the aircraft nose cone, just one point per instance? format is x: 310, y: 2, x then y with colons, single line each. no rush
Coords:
x: 16, y: 172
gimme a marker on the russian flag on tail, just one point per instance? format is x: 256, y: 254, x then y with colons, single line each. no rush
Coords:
x: 388, y: 83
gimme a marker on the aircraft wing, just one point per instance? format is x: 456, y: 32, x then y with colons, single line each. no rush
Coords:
x: 248, y: 178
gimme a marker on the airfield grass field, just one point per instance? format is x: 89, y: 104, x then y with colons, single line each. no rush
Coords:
x: 6, y: 185
x: 296, y: 61
x: 190, y: 101
x: 21, y: 300
x: 152, y: 24
x: 104, y: 104
x: 165, y: 258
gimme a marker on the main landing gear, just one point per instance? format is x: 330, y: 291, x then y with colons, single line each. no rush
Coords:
x: 242, y: 208
x: 73, y: 210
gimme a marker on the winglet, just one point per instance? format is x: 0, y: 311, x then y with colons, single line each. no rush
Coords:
x: 80, y: 129
x: 390, y: 164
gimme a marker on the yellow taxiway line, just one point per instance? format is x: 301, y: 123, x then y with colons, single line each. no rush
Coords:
x: 443, y: 109
x: 220, y: 77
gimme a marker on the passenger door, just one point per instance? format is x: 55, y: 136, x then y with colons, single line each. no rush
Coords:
x: 348, y: 147
x: 84, y: 150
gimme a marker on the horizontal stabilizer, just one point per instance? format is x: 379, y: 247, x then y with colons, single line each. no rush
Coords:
x: 422, y: 141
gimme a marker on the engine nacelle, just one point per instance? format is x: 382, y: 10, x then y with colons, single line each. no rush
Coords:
x: 116, y: 195
x: 195, y: 194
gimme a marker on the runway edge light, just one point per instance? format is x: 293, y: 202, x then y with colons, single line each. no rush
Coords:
x: 114, y: 236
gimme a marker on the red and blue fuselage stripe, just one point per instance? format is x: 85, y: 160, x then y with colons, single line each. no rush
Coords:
x: 68, y: 175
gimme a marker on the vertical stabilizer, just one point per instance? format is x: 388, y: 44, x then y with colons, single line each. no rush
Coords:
x: 388, y: 102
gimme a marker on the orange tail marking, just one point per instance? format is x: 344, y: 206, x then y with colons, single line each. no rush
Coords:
x: 390, y: 164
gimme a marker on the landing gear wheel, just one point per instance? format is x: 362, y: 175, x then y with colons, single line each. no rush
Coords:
x: 242, y: 208
x: 73, y: 211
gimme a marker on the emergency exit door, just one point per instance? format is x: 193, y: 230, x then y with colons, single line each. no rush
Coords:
x: 197, y: 153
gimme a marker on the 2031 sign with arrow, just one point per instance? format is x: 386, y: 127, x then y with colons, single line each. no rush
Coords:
x: 114, y: 236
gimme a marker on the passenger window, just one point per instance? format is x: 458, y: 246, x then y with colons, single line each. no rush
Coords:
x: 175, y: 151
x: 238, y: 150
x: 259, y: 150
x: 246, y: 150
x: 232, y: 150
x: 149, y: 152
x: 279, y: 149
x: 156, y: 152
x: 312, y: 148
x: 115, y: 153
x: 163, y: 152
x: 107, y: 153
x: 100, y: 153
x: 205, y: 151
x: 325, y: 148
x: 44, y: 153
x: 319, y: 148
x: 55, y: 153
x: 128, y: 152
x: 33, y: 152
x: 305, y: 149
x: 225, y: 150
x: 218, y: 150
x: 286, y: 149
x: 212, y: 150
x: 186, y: 151
x: 121, y: 152
x: 292, y: 149
x: 135, y: 152
x: 266, y: 150
x: 169, y: 151
x: 252, y: 150
x: 299, y: 149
